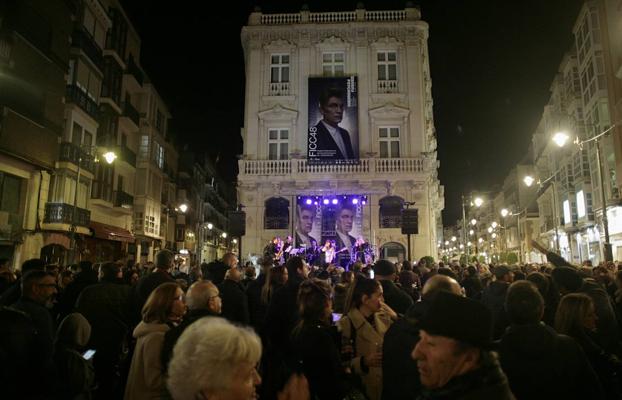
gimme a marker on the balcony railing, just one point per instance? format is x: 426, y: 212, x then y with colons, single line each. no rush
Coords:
x: 127, y: 155
x: 71, y: 153
x: 133, y: 70
x: 387, y: 86
x: 87, y: 44
x: 279, y: 88
x: 80, y: 98
x: 132, y: 113
x: 122, y: 199
x: 62, y: 213
x: 365, y: 166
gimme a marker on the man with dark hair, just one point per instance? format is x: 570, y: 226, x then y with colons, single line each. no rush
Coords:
x: 396, y: 298
x: 256, y: 308
x: 14, y: 292
x: 165, y: 260
x: 332, y: 141
x: 85, y: 277
x: 106, y: 306
x: 234, y: 300
x: 539, y: 363
x: 454, y: 356
x: 494, y: 298
x: 216, y: 270
x: 304, y: 226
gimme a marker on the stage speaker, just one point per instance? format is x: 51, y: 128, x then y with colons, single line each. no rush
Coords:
x: 410, y: 221
x: 237, y: 223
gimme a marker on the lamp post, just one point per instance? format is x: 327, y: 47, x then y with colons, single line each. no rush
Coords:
x: 109, y: 156
x: 560, y: 139
x: 478, y: 201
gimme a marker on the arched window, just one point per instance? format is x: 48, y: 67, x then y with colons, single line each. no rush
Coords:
x: 276, y: 213
x: 391, y: 211
x: 393, y: 251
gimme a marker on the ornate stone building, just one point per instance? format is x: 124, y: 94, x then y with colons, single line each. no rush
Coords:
x: 387, y: 53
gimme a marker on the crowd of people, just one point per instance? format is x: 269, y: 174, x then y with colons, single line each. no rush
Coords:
x: 381, y: 331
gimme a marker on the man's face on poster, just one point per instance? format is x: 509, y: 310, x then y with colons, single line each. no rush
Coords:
x: 305, y: 221
x: 333, y: 111
x: 345, y: 220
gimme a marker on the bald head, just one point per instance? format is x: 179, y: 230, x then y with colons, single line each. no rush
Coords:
x: 200, y: 294
x: 442, y: 282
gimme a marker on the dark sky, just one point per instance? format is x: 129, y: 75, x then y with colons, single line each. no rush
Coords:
x: 492, y: 64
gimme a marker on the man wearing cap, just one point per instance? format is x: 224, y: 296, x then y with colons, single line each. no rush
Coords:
x: 396, y: 298
x: 453, y: 355
x: 494, y: 298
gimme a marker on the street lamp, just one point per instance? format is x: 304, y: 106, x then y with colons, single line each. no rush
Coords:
x: 608, y: 255
x: 478, y: 203
x: 183, y: 207
x: 109, y: 156
x: 528, y: 180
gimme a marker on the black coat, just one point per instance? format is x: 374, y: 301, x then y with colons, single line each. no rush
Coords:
x: 143, y: 289
x: 172, y: 335
x: 256, y: 309
x: 67, y: 300
x: 215, y: 272
x: 541, y: 364
x: 234, y: 302
x: 326, y: 142
x: 316, y: 351
x: 395, y: 297
x: 493, y: 297
x: 282, y: 315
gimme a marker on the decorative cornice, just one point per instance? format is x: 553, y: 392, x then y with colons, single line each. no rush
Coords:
x: 278, y: 113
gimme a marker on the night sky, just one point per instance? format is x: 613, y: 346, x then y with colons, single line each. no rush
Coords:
x: 492, y: 64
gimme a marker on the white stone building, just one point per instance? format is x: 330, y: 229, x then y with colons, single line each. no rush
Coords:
x: 387, y: 52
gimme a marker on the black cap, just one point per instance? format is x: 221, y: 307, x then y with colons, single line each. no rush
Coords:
x: 459, y: 318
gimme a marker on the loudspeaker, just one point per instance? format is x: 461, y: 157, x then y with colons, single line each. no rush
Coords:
x: 237, y: 223
x: 410, y: 221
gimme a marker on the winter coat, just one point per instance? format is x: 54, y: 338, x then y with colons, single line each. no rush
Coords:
x: 234, y: 302
x: 256, y: 309
x: 493, y: 297
x: 367, y: 341
x: 172, y: 336
x: 541, y: 364
x: 146, y: 378
x: 395, y: 297
x: 143, y: 289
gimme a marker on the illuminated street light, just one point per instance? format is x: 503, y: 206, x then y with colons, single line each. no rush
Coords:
x: 234, y: 241
x: 494, y: 225
x: 528, y: 180
x: 490, y: 229
x: 210, y: 226
x: 471, y: 232
x: 478, y: 201
x: 504, y: 212
x: 560, y: 138
x: 473, y: 222
x: 480, y: 240
x: 494, y: 235
x: 110, y: 157
x: 453, y: 238
x: 446, y: 242
x: 183, y: 207
x: 224, y: 235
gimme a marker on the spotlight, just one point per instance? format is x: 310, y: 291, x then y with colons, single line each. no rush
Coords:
x: 308, y: 201
x: 363, y: 202
x: 315, y: 203
x: 325, y: 201
x: 335, y: 201
x: 355, y: 201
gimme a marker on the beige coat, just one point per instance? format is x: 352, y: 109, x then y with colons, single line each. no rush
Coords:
x: 145, y: 379
x: 368, y: 340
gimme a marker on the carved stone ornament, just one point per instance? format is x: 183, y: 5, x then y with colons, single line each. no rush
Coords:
x: 278, y: 113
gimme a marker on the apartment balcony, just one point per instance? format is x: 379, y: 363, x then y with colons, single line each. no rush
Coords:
x: 279, y: 89
x: 71, y: 153
x: 123, y: 200
x: 133, y: 70
x: 127, y: 155
x: 300, y: 169
x: 62, y: 213
x: 547, y: 224
x: 130, y: 112
x: 77, y: 96
x: 82, y: 40
x: 388, y: 86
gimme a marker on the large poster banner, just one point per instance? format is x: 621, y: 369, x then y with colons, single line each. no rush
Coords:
x: 333, y: 121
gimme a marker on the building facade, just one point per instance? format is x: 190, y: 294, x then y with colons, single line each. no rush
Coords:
x: 385, y: 55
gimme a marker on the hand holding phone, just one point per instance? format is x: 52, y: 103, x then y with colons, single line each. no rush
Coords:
x: 87, y: 355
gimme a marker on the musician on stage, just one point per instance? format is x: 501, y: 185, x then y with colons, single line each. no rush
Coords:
x: 288, y: 246
x: 273, y: 249
x: 329, y: 251
x: 304, y: 226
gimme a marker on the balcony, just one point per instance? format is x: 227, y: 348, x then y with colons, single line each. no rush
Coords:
x: 69, y: 152
x: 132, y: 113
x: 127, y: 155
x: 279, y: 88
x: 387, y: 86
x: 62, y: 213
x: 133, y: 70
x: 81, y: 99
x: 86, y: 43
x: 122, y: 199
x: 301, y: 169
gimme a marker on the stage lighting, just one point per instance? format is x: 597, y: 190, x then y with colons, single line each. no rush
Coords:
x: 335, y: 201
x: 325, y: 201
x: 355, y: 201
x: 308, y: 201
x: 363, y: 202
x: 315, y: 203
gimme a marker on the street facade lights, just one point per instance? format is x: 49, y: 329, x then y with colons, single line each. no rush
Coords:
x: 477, y: 202
x: 607, y: 251
x: 91, y: 152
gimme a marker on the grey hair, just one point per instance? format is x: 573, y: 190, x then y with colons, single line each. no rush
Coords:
x: 207, y: 355
x: 199, y: 294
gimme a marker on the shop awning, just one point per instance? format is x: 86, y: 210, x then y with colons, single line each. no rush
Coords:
x: 110, y: 232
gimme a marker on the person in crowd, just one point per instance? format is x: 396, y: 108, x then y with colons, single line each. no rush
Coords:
x: 165, y: 261
x: 76, y: 374
x: 14, y: 292
x: 549, y: 294
x: 313, y: 342
x: 472, y: 284
x: 366, y: 321
x: 234, y: 300
x: 493, y: 297
x: 576, y: 317
x: 164, y: 308
x: 256, y: 307
x: 249, y: 276
x: 203, y: 300
x: 568, y: 280
x: 277, y: 278
x: 341, y: 291
x: 214, y: 359
x: 411, y: 283
x: 6, y: 275
x: 540, y: 363
x: 454, y: 356
x: 131, y: 276
x: 617, y: 298
x: 106, y: 306
x: 400, y: 377
x: 396, y: 298
x: 216, y: 270
x: 86, y: 276
x: 606, y: 279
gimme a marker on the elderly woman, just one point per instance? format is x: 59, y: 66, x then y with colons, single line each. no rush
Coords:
x: 216, y: 360
x: 164, y: 308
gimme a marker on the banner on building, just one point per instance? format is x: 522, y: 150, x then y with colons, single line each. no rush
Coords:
x: 332, y: 136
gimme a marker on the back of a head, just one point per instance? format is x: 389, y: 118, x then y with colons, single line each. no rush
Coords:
x: 472, y: 271
x: 360, y: 287
x: 384, y: 268
x: 293, y: 265
x: 85, y: 266
x: 567, y: 278
x: 34, y: 264
x: 524, y: 303
x: 313, y: 297
x: 447, y: 272
x: 199, y: 294
x: 407, y: 266
x: 164, y: 259
x: 541, y: 282
x: 160, y: 303
x: 441, y: 282
x: 501, y: 271
x: 109, y: 272
x: 74, y: 331
x: 571, y: 311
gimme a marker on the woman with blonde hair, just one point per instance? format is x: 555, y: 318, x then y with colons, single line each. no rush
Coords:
x: 164, y: 308
x: 276, y: 278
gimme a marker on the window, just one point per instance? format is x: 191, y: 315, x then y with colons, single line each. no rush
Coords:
x: 387, y: 66
x: 159, y: 121
x: 580, y: 204
x: 158, y: 155
x: 333, y: 64
x: 278, y: 142
x: 389, y: 138
x: 567, y: 218
x: 276, y: 214
x: 391, y: 212
x: 279, y: 68
x: 144, y: 146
